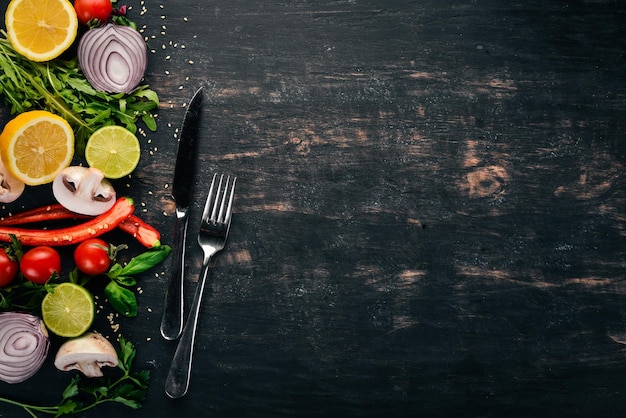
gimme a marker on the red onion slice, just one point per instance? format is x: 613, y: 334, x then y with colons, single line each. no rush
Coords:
x: 23, y: 346
x: 113, y: 58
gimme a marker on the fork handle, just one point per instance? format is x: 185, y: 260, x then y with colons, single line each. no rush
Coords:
x: 179, y: 375
x: 173, y: 308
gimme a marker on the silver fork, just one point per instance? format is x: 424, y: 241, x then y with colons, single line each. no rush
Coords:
x: 212, y: 237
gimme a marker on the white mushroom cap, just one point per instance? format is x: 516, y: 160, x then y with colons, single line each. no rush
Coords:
x: 83, y: 190
x: 10, y: 187
x: 87, y: 354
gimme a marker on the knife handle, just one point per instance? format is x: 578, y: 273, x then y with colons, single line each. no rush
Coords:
x: 173, y: 308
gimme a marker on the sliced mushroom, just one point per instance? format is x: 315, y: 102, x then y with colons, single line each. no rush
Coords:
x: 83, y: 190
x: 88, y: 354
x: 10, y: 187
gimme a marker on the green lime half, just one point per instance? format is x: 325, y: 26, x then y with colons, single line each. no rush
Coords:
x: 69, y: 310
x: 113, y: 150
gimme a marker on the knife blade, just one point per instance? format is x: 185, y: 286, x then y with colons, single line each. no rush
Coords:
x: 173, y: 307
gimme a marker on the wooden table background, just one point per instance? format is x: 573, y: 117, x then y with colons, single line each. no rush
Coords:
x: 430, y: 212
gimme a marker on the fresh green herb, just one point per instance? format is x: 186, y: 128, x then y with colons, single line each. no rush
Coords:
x: 119, y: 296
x: 24, y: 295
x: 60, y: 87
x: 83, y: 393
x: 143, y: 262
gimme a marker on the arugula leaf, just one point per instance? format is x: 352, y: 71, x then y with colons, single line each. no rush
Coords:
x: 60, y: 87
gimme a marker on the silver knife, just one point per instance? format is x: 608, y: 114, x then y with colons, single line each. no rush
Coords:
x: 173, y: 308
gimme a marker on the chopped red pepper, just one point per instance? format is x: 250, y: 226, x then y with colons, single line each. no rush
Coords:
x: 145, y: 233
x: 91, y: 228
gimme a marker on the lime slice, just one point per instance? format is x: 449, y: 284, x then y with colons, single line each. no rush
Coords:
x: 113, y: 150
x: 68, y: 311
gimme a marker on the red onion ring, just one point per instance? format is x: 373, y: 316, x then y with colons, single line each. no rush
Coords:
x: 23, y: 346
x: 113, y: 58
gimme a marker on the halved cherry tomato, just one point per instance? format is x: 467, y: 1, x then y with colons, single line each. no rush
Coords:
x: 38, y: 264
x: 92, y: 256
x: 8, y: 268
x: 88, y: 10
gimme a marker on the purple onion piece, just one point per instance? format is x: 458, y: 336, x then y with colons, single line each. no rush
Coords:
x: 23, y: 346
x: 113, y: 58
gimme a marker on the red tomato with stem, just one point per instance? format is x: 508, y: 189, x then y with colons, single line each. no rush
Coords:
x: 92, y: 256
x: 39, y: 263
x: 88, y: 10
x: 8, y: 268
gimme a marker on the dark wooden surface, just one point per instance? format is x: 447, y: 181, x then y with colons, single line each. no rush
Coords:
x: 430, y: 215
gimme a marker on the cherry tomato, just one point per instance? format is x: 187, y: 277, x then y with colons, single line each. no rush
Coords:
x: 38, y: 264
x: 92, y: 256
x: 8, y: 268
x: 87, y: 10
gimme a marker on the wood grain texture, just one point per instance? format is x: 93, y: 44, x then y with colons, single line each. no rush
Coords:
x: 429, y: 217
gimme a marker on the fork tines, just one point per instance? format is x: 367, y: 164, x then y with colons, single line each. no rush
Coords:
x: 214, y: 202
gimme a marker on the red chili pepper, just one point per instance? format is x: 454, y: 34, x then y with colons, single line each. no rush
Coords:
x: 143, y: 232
x: 91, y: 228
x: 41, y: 214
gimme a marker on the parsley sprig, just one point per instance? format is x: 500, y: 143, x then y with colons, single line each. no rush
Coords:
x: 83, y: 393
x: 60, y: 87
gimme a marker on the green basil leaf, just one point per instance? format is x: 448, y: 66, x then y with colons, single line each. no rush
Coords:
x: 126, y: 280
x: 114, y: 271
x: 123, y: 300
x: 146, y: 260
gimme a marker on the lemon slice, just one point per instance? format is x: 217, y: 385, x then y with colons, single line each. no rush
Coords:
x: 41, y: 30
x: 35, y: 146
x: 68, y: 311
x: 113, y: 150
